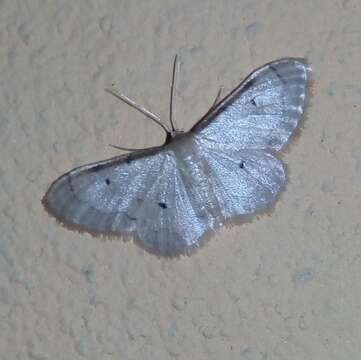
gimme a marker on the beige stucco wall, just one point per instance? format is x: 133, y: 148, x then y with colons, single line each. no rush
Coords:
x: 286, y: 286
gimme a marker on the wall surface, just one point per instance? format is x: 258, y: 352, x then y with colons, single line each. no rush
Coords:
x: 285, y: 286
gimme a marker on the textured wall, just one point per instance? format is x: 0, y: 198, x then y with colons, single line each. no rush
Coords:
x: 286, y: 286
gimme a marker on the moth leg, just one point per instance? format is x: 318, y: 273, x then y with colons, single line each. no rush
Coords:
x: 127, y: 149
x: 215, y: 102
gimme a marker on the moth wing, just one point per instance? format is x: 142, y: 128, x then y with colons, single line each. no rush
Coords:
x: 104, y: 197
x: 263, y: 111
x: 243, y: 182
x: 143, y: 193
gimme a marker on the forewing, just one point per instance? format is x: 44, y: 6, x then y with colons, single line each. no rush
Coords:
x: 263, y: 111
x: 104, y: 197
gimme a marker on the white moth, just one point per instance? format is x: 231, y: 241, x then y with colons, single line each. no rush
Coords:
x: 224, y: 167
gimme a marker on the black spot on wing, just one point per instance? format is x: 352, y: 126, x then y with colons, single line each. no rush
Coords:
x: 96, y: 168
x: 247, y: 85
x: 68, y: 179
x: 277, y: 74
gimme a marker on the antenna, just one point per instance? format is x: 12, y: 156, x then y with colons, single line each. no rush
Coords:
x: 143, y: 110
x: 172, y: 88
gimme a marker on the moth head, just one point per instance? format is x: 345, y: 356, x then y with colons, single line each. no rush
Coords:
x: 173, y: 134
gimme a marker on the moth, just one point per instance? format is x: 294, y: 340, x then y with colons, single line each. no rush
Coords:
x: 224, y: 167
